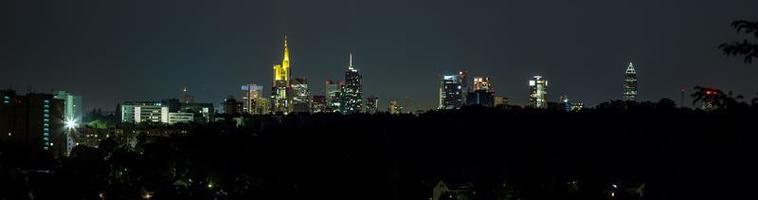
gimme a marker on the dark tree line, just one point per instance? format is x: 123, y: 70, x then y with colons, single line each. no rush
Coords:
x: 676, y: 153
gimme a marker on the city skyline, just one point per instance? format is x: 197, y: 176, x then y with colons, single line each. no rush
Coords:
x: 237, y: 45
x: 385, y: 100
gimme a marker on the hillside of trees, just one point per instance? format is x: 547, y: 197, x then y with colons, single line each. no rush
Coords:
x: 504, y: 153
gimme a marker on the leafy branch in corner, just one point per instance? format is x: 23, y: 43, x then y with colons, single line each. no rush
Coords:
x: 745, y: 47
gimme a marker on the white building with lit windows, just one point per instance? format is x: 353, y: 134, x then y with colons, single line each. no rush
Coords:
x: 538, y: 92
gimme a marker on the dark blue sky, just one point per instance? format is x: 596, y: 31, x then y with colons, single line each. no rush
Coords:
x: 112, y: 51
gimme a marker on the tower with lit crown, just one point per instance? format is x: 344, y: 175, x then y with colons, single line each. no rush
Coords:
x: 281, y: 91
x: 353, y: 89
x: 630, y: 83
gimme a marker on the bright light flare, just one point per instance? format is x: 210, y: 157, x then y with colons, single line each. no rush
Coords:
x: 70, y: 124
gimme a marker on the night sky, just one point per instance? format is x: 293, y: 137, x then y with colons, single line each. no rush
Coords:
x: 113, y: 51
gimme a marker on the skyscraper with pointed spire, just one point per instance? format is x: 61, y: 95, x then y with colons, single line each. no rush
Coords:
x: 630, y: 83
x: 281, y: 92
x: 352, y: 92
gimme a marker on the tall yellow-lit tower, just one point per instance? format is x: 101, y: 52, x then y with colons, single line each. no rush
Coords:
x: 282, y: 71
x: 281, y: 93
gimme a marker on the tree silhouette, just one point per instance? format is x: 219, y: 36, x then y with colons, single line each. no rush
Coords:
x: 746, y: 48
x: 702, y: 94
x: 717, y: 98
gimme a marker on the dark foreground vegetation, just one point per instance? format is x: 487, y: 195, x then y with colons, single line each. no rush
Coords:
x: 645, y: 151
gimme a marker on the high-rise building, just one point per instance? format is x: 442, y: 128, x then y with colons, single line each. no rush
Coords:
x: 352, y: 101
x: 253, y: 101
x: 72, y: 116
x: 281, y: 92
x: 395, y: 107
x: 233, y: 107
x: 318, y: 104
x: 333, y: 95
x: 301, y: 98
x: 72, y: 105
x: 34, y: 120
x: 372, y: 104
x: 538, y: 92
x: 483, y: 93
x: 630, y: 83
x: 482, y: 84
x: 465, y: 86
x: 463, y: 76
x: 451, y: 92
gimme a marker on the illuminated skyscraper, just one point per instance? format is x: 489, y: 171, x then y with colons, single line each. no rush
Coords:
x: 301, y: 98
x: 253, y: 101
x: 333, y: 96
x: 482, y: 83
x: 353, y: 89
x: 451, y: 92
x: 72, y: 106
x: 483, y: 94
x: 72, y: 116
x: 281, y: 96
x: 630, y: 83
x: 372, y: 104
x: 538, y: 92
